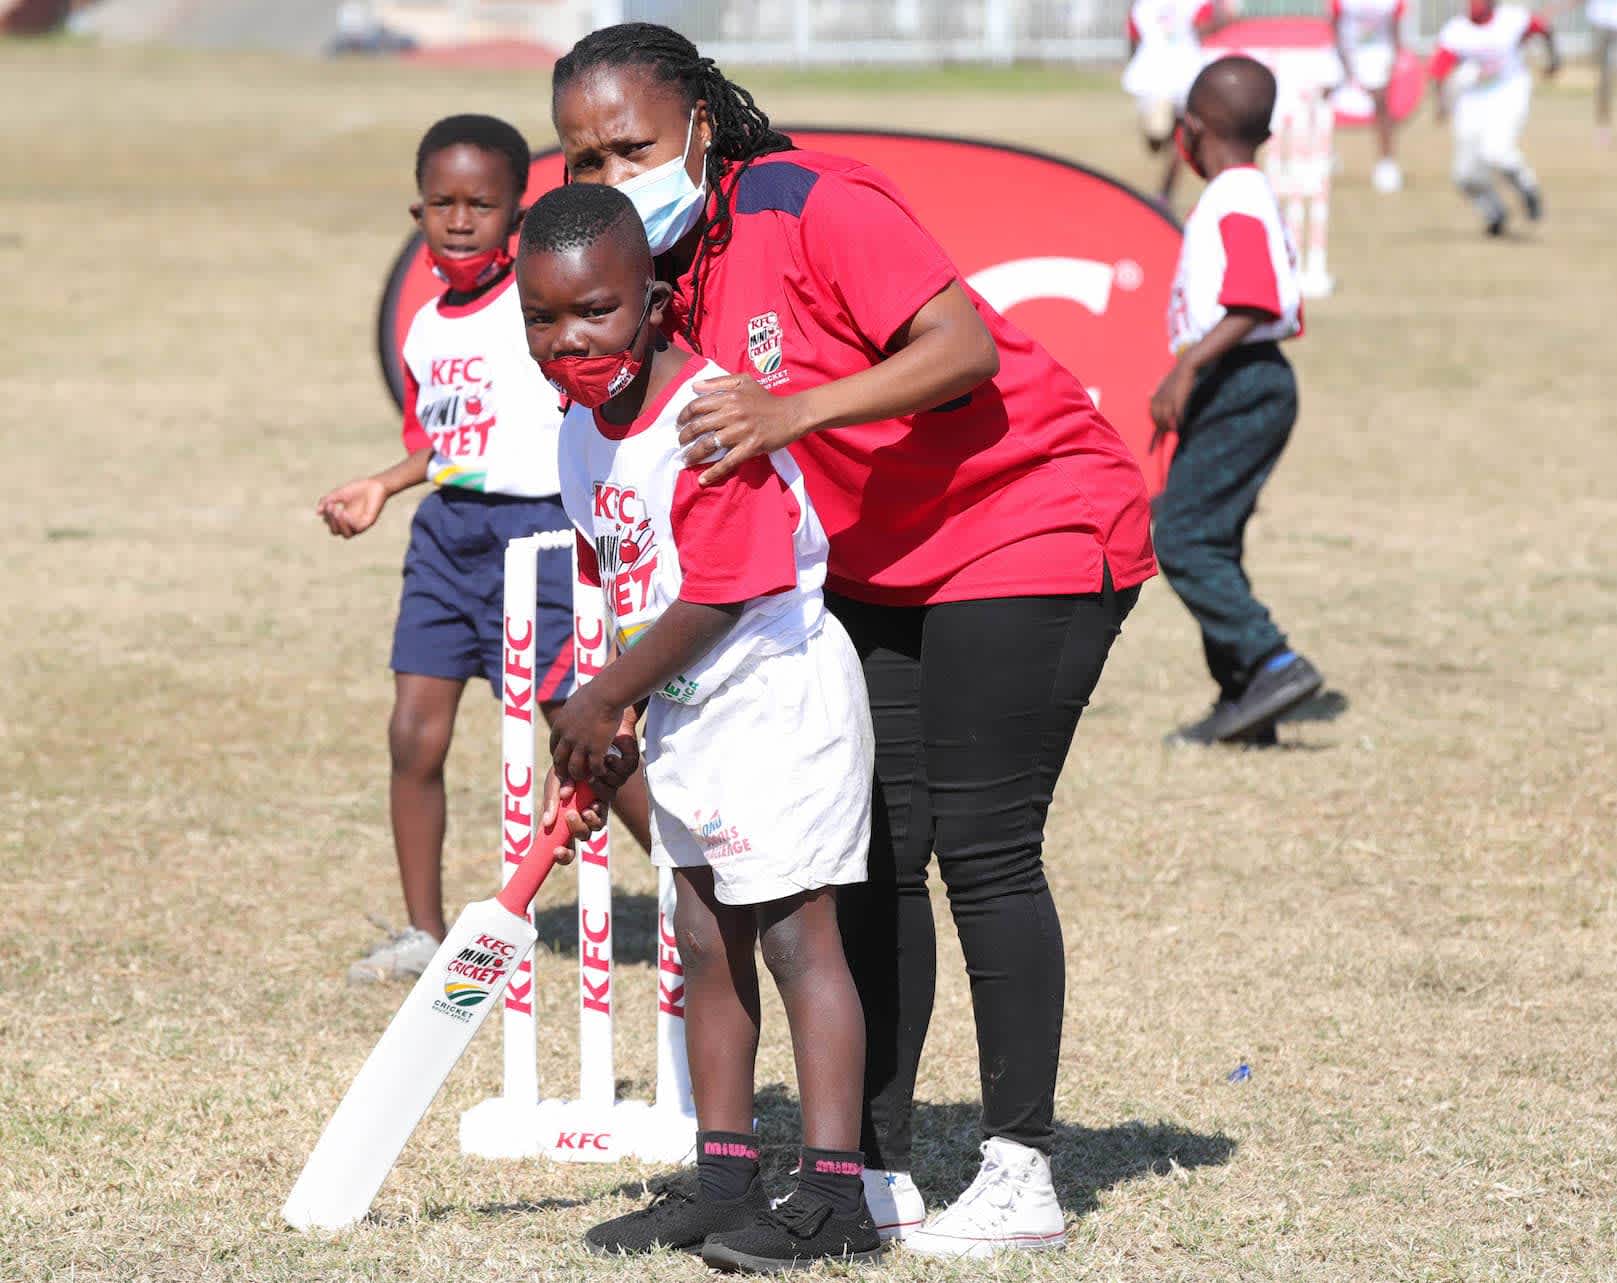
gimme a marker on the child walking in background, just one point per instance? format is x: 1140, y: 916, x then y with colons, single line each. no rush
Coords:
x: 1369, y: 38
x: 480, y: 423
x: 1231, y: 398
x: 1165, y: 53
x: 759, y: 750
x: 1482, y: 76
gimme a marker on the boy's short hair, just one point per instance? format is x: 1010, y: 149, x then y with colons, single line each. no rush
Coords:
x: 578, y: 215
x: 1235, y: 97
x: 487, y: 132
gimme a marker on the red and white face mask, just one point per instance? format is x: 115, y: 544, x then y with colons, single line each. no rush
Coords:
x: 592, y: 381
x: 470, y: 272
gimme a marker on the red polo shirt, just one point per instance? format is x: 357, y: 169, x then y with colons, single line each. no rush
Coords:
x: 1018, y: 488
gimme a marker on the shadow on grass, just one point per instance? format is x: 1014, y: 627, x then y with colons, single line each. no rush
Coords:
x: 1087, y: 1160
x: 1327, y: 706
x: 634, y: 928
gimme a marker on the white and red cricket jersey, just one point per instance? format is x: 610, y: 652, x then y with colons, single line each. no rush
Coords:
x: 1367, y: 22
x: 1487, y: 54
x: 1236, y: 254
x: 1017, y: 488
x: 649, y: 535
x: 473, y: 394
x: 1169, y: 22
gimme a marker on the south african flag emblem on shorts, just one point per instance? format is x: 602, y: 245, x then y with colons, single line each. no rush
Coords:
x: 464, y: 995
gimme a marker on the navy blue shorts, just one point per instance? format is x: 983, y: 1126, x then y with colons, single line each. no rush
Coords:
x: 452, y: 611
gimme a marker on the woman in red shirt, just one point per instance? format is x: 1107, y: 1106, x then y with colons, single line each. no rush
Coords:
x: 989, y: 532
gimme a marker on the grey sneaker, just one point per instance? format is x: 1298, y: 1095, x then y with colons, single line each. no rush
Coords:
x: 404, y: 955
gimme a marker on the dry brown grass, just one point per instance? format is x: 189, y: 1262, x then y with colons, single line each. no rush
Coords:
x: 1404, y: 922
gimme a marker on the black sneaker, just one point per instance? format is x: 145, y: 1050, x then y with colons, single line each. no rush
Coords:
x: 797, y: 1232
x: 1533, y: 203
x: 1496, y: 224
x: 1271, y: 693
x: 678, y: 1217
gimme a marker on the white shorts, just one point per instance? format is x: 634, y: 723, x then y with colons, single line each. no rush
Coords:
x: 767, y: 780
x: 1372, y: 65
x: 1603, y: 15
x: 1488, y: 126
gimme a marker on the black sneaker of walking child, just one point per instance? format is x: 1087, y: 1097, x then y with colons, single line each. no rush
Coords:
x: 800, y: 1230
x: 678, y: 1217
x: 1280, y: 685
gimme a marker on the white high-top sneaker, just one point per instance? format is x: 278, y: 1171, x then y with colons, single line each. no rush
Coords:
x: 1011, y: 1204
x: 895, y: 1203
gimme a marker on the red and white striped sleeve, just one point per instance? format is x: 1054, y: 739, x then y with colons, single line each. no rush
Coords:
x: 1249, y: 271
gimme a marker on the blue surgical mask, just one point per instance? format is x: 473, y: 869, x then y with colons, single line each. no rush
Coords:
x: 668, y: 203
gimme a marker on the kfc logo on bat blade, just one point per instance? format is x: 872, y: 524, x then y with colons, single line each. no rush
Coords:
x: 1075, y: 260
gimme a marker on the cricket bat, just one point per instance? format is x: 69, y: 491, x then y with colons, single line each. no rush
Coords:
x: 399, y: 1079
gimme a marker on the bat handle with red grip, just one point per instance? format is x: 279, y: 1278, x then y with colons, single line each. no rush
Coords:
x: 524, y: 884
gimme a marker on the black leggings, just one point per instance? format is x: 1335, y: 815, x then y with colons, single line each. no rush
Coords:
x: 975, y: 704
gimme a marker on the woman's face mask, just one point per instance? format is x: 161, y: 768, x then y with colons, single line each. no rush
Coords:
x: 668, y: 202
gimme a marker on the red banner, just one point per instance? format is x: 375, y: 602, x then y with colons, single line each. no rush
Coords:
x: 1074, y: 258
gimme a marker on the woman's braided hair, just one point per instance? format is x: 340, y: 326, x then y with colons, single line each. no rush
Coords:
x: 741, y: 131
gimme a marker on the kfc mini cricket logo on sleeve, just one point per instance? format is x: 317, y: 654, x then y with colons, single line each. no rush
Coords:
x: 1093, y: 290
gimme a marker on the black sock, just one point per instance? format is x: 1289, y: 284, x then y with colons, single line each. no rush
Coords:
x: 726, y: 1163
x: 834, y: 1174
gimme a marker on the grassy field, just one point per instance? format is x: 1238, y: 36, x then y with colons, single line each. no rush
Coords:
x: 1403, y: 921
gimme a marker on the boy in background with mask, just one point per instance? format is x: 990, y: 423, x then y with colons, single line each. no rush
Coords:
x: 1231, y: 398
x: 759, y: 750
x: 480, y: 424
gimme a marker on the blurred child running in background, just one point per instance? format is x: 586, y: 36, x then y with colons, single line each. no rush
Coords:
x: 1483, y: 78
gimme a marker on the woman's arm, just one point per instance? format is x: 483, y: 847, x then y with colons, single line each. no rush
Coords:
x: 942, y: 352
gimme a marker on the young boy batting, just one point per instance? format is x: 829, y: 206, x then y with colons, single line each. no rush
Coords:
x: 1231, y: 398
x: 480, y: 424
x: 758, y: 740
x: 1483, y: 78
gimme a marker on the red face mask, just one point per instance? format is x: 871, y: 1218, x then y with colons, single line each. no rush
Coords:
x: 1185, y: 154
x: 592, y: 381
x: 470, y: 272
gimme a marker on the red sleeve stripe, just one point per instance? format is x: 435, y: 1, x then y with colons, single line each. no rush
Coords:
x: 1443, y: 62
x: 415, y: 436
x: 1249, y: 270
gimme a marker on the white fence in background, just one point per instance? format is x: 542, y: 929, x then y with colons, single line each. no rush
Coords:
x: 840, y: 32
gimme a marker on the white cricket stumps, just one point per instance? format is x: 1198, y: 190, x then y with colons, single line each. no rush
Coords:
x: 1299, y: 162
x: 595, y: 1127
